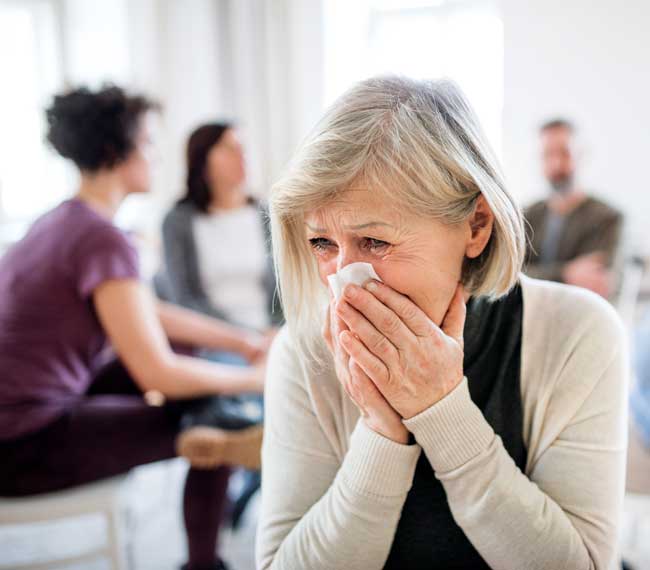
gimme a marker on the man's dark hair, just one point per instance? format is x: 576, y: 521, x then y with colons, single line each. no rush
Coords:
x: 557, y: 123
x: 96, y: 129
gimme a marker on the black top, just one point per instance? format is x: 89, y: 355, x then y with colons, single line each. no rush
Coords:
x: 427, y: 536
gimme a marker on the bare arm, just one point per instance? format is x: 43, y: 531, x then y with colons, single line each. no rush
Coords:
x: 189, y: 327
x: 127, y: 312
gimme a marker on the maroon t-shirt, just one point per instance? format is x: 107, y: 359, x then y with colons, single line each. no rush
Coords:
x: 51, y: 340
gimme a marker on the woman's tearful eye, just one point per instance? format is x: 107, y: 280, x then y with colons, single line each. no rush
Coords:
x: 375, y: 245
x: 321, y: 245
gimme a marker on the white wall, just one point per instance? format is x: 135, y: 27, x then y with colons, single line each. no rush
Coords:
x: 262, y: 63
x: 588, y: 60
x: 275, y: 79
x: 256, y: 62
x: 100, y: 29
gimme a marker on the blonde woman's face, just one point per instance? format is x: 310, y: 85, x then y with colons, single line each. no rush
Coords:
x: 418, y: 257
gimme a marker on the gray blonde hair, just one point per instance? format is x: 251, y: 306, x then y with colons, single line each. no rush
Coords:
x: 416, y: 143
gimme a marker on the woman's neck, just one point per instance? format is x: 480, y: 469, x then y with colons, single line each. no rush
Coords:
x: 230, y: 199
x: 102, y: 193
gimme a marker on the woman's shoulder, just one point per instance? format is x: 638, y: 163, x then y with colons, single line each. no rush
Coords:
x: 569, y: 312
x: 304, y: 369
x: 573, y: 363
x: 298, y: 361
x: 283, y: 346
x: 180, y: 214
x: 573, y: 342
x: 283, y: 367
x: 303, y: 398
x: 92, y: 231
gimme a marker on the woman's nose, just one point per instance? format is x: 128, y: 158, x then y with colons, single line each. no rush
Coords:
x: 345, y: 257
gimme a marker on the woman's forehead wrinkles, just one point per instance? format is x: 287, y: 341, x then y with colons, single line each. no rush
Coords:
x: 352, y: 217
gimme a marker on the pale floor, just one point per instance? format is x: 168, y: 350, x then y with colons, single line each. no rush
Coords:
x: 157, y: 529
x: 159, y: 542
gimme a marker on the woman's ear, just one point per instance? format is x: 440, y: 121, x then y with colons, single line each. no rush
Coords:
x: 480, y: 228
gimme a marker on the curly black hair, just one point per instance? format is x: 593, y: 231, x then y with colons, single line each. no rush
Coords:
x: 96, y: 129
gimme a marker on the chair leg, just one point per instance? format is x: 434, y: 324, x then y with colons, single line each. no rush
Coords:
x: 115, y: 540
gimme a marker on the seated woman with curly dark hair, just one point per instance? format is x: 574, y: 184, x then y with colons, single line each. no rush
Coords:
x: 68, y: 415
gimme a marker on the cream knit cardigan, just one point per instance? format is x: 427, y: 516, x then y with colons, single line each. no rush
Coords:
x: 333, y: 490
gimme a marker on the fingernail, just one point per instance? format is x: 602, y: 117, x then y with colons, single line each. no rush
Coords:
x: 371, y: 286
x: 350, y: 291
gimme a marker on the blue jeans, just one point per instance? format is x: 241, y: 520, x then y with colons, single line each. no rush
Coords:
x: 640, y: 396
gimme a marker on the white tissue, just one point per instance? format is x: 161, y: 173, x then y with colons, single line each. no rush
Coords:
x: 357, y: 273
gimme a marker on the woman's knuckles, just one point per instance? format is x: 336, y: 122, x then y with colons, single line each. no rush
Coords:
x: 408, y: 311
x: 383, y: 347
x: 390, y: 325
x: 379, y: 371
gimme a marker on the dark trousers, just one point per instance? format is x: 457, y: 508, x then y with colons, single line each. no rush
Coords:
x: 108, y: 432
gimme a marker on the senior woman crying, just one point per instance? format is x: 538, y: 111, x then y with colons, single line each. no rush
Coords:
x: 450, y: 413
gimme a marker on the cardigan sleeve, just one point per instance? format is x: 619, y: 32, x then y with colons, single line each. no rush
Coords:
x: 319, y: 512
x: 565, y: 512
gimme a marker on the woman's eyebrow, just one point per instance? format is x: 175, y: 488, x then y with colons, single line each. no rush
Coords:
x: 355, y: 227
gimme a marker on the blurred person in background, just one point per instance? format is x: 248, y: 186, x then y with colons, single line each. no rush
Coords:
x: 638, y: 472
x: 573, y: 237
x: 217, y: 239
x: 216, y: 242
x: 70, y: 289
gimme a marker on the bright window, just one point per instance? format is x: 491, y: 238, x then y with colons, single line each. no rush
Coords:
x: 31, y: 178
x: 424, y: 39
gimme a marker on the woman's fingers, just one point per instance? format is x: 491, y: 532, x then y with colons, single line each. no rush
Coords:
x: 375, y: 410
x: 327, y: 328
x: 364, y: 392
x: 365, y: 331
x: 383, y: 318
x: 374, y: 367
x: 332, y: 327
x: 414, y: 318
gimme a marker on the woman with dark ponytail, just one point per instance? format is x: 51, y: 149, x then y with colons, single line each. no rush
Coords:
x: 217, y: 254
x: 216, y: 239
